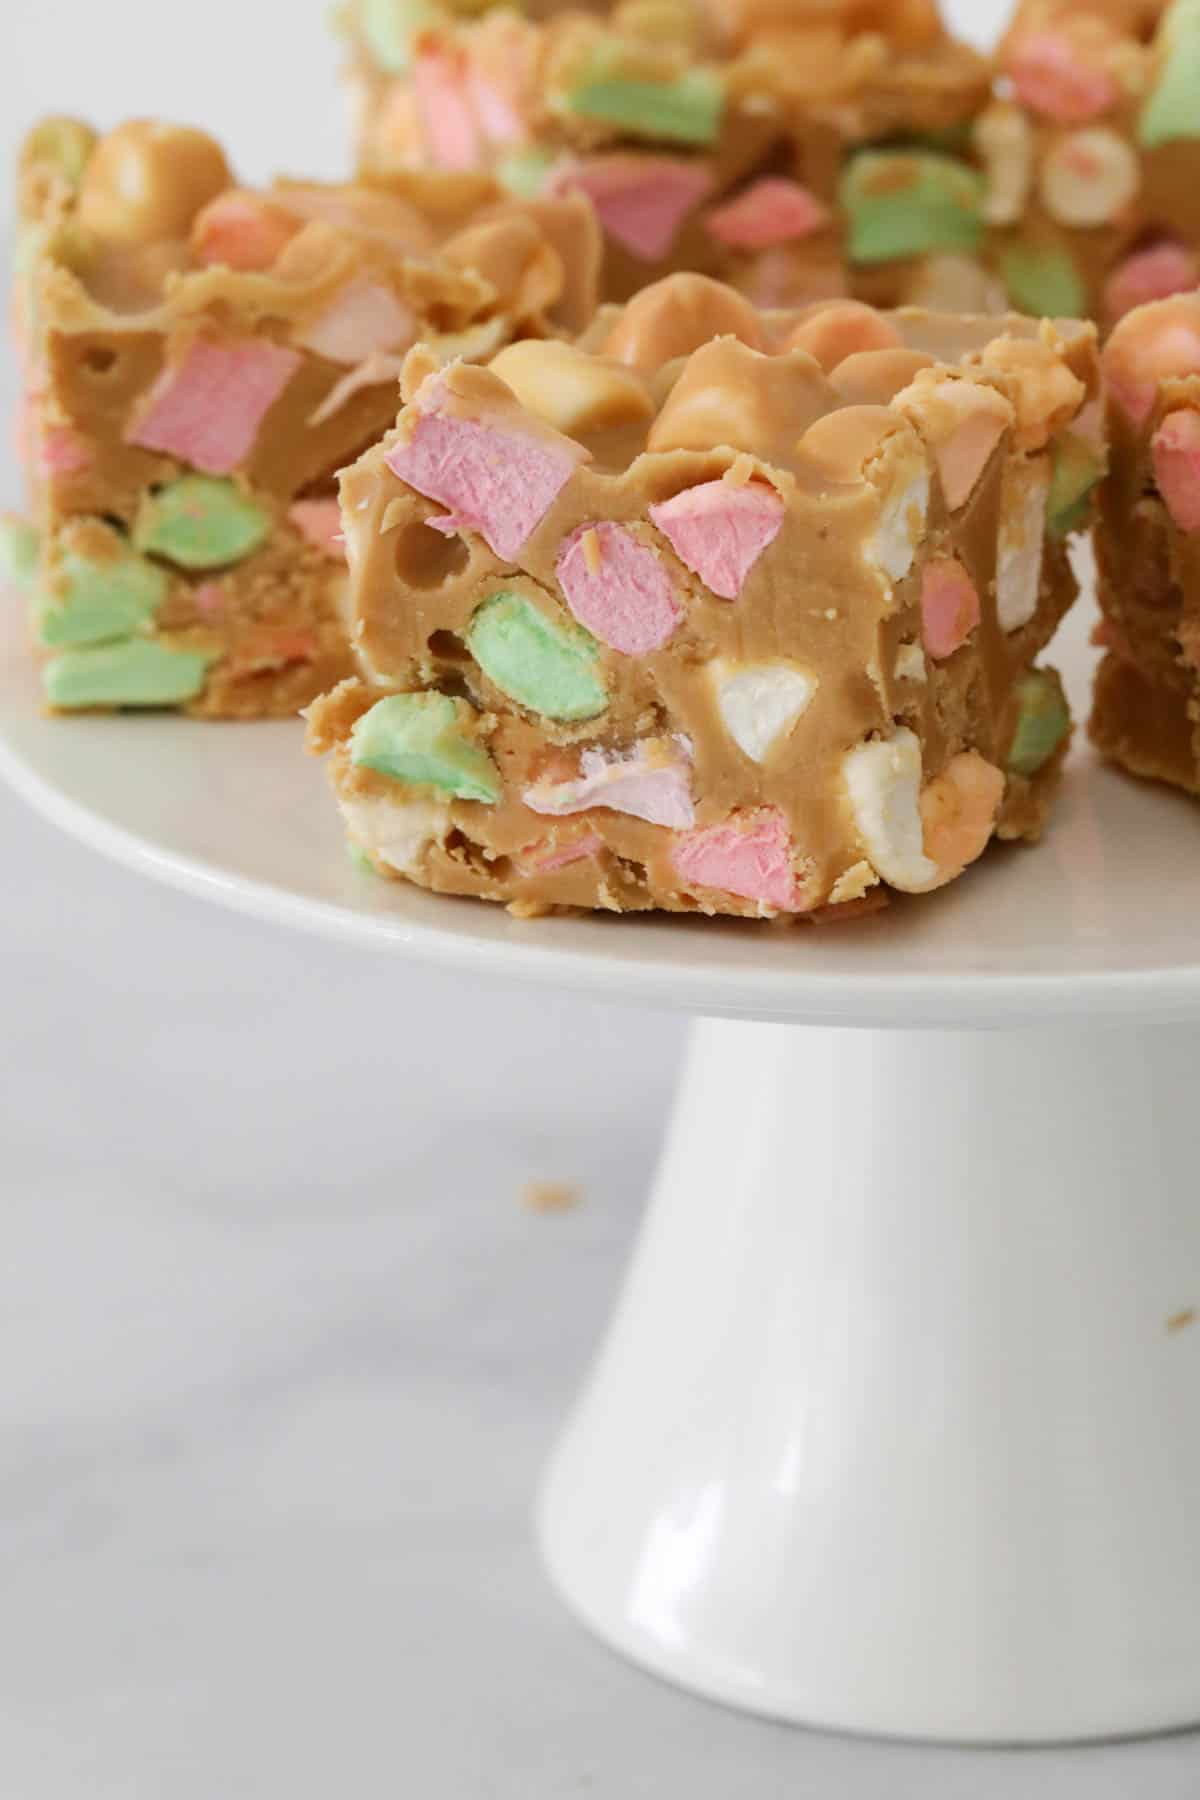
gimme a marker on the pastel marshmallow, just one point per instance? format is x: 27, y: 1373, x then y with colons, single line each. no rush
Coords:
x: 770, y: 211
x: 1152, y: 274
x: 650, y: 782
x: 883, y: 784
x: 618, y: 588
x: 364, y: 320
x: 719, y: 530
x: 1050, y: 77
x: 752, y: 857
x: 544, y: 858
x: 426, y: 740
x: 963, y: 422
x: 1150, y: 345
x: 759, y: 703
x: 949, y: 606
x: 444, y: 106
x: 1175, y: 448
x: 319, y: 523
x: 244, y: 231
x: 544, y: 663
x: 1023, y: 500
x: 207, y: 409
x: 495, y: 478
x: 200, y: 522
x: 641, y: 201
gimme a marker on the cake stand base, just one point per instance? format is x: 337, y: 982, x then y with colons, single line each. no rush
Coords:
x: 897, y: 1427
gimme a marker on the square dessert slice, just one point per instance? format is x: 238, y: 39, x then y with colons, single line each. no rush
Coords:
x: 720, y: 136
x: 713, y: 611
x: 200, y: 359
x: 1093, y: 156
x: 1147, y: 702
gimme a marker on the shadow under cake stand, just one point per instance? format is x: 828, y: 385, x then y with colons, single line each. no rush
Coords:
x: 897, y: 1424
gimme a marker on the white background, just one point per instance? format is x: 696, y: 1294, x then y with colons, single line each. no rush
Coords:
x: 280, y: 1351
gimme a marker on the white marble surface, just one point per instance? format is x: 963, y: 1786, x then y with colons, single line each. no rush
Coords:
x: 280, y: 1351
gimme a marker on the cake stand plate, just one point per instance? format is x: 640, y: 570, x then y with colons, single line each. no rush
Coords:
x: 897, y: 1426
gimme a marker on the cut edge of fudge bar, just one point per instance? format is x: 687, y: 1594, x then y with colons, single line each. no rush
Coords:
x: 717, y: 611
x: 199, y: 361
x: 733, y: 138
x: 1146, y: 711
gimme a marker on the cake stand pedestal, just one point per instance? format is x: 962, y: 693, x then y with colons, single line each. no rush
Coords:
x: 897, y: 1427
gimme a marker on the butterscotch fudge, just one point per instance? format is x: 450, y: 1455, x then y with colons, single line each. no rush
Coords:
x: 729, y: 137
x: 1147, y: 702
x: 200, y: 359
x: 715, y: 610
x: 1092, y: 151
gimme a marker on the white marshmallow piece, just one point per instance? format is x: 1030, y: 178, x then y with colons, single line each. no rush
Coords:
x: 398, y: 833
x: 760, y: 702
x: 1023, y: 496
x: 901, y: 524
x: 910, y: 663
x: 883, y: 782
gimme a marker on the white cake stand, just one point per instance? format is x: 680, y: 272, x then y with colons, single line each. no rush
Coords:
x: 897, y: 1427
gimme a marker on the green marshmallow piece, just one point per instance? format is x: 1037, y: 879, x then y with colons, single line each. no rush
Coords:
x: 1043, y: 721
x: 908, y: 202
x: 98, y: 601
x: 1077, y: 469
x: 523, y: 172
x: 138, y: 672
x: 419, y: 739
x: 19, y: 544
x: 360, y: 860
x: 1043, y: 281
x: 67, y: 143
x: 201, y: 522
x: 547, y: 667
x: 684, y: 111
x: 1173, y: 109
x: 389, y: 27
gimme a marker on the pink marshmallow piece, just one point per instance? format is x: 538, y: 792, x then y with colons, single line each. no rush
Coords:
x: 641, y: 201
x: 1049, y: 78
x: 61, y: 452
x: 751, y: 859
x: 657, y: 791
x: 494, y: 479
x: 618, y: 588
x: 319, y: 522
x: 206, y: 410
x: 770, y: 211
x: 444, y: 105
x: 949, y: 606
x: 366, y: 319
x: 536, y: 859
x: 1175, y: 448
x: 1151, y: 346
x: 1153, y: 274
x: 720, y: 529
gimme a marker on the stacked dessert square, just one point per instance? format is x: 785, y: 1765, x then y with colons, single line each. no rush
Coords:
x: 200, y: 359
x: 716, y: 610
